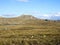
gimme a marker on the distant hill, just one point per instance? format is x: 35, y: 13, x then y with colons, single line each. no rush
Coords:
x: 17, y: 20
x: 26, y: 17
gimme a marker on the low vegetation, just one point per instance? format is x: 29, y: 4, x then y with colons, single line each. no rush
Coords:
x: 18, y: 31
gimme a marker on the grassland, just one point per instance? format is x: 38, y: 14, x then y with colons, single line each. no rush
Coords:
x: 29, y: 32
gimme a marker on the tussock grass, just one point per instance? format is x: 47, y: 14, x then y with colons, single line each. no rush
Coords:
x: 30, y: 32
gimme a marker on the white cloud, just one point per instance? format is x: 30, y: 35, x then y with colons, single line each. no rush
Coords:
x: 45, y: 16
x: 57, y: 14
x: 23, y: 0
x: 8, y: 15
x: 51, y: 16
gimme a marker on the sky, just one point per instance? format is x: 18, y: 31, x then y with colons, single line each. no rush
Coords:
x: 44, y: 9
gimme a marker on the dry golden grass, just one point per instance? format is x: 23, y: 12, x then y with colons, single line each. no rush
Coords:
x: 29, y: 32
